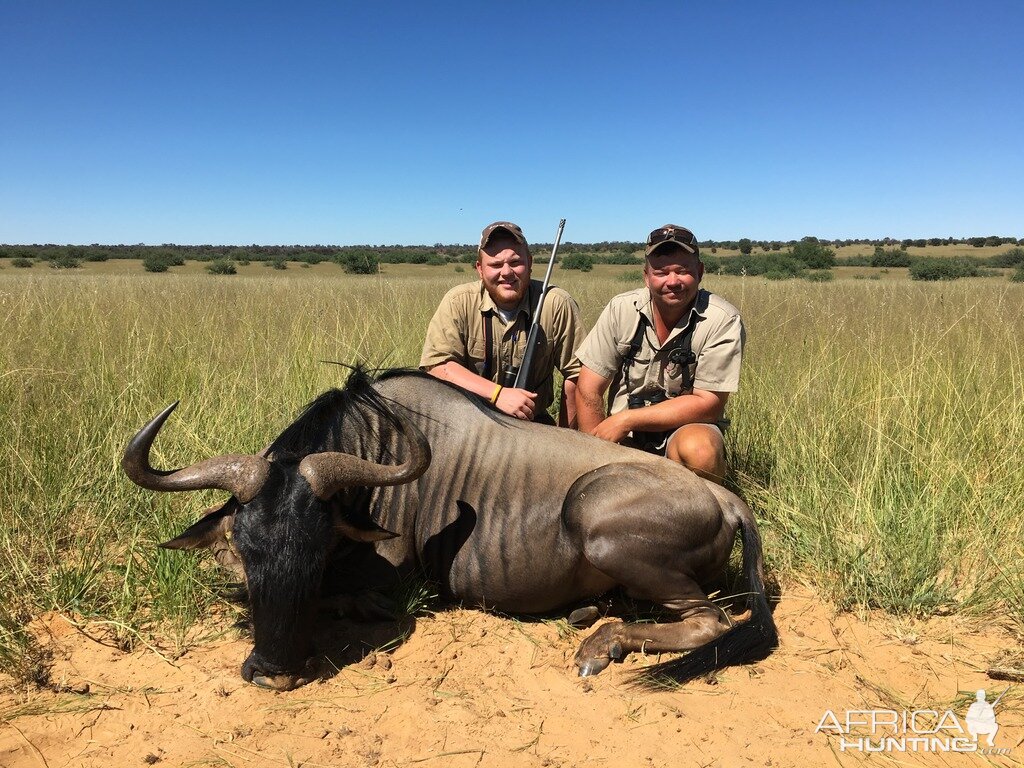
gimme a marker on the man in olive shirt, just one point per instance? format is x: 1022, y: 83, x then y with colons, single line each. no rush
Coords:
x: 480, y: 329
x: 670, y: 353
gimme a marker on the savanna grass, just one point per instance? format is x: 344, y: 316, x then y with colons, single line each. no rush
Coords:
x: 877, y: 433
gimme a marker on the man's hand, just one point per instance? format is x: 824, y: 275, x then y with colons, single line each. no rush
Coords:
x: 517, y: 402
x: 614, y: 428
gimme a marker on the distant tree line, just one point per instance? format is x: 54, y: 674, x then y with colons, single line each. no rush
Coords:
x: 809, y: 258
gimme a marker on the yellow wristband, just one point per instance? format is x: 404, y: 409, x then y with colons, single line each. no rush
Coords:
x: 497, y: 391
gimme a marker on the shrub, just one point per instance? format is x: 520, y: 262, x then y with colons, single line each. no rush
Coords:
x: 712, y: 264
x: 578, y: 261
x: 459, y: 268
x: 359, y: 262
x: 896, y: 257
x: 64, y: 260
x: 763, y: 263
x: 1018, y: 274
x: 1011, y: 258
x: 931, y: 268
x: 814, y: 255
x: 619, y: 258
x: 96, y: 256
x: 21, y: 261
x: 280, y: 264
x: 632, y: 276
x: 437, y: 260
x: 221, y: 267
x: 745, y: 245
x: 155, y: 262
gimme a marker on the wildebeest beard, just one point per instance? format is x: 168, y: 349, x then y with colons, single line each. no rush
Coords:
x: 284, y: 537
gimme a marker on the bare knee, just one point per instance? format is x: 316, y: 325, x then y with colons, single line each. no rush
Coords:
x: 700, y: 448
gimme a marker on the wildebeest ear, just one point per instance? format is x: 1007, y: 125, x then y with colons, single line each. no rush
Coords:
x: 371, y: 533
x: 213, y: 528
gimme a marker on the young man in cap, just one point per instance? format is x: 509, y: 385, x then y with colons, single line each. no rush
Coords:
x: 670, y: 354
x: 480, y: 329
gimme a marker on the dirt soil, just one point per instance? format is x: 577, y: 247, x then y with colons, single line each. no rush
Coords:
x: 471, y: 689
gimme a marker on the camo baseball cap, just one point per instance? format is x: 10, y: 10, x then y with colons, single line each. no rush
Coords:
x: 671, y: 233
x: 506, y: 227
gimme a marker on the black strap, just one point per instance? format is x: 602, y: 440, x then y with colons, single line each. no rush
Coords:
x: 682, y: 352
x: 488, y: 318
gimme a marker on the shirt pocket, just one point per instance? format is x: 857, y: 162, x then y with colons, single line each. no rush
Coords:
x: 637, y: 372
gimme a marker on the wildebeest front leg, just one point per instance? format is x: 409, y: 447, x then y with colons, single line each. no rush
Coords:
x: 700, y: 623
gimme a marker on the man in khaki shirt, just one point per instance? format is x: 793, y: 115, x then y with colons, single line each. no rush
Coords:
x: 670, y: 353
x: 480, y: 329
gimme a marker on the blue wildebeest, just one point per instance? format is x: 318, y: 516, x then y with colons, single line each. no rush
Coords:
x: 504, y: 514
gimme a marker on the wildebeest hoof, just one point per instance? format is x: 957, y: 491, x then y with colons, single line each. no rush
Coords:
x: 584, y: 617
x: 615, y: 651
x: 591, y: 667
x: 280, y: 682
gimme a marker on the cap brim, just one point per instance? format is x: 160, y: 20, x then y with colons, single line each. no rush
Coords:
x: 653, y: 249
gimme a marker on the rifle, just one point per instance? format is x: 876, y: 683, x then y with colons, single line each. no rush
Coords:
x: 516, y: 376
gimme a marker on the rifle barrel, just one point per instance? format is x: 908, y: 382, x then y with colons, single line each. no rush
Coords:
x: 531, y: 340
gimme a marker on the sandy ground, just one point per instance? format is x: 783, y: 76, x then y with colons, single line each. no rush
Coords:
x: 472, y: 689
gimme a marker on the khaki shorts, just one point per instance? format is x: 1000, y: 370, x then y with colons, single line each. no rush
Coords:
x: 657, y: 442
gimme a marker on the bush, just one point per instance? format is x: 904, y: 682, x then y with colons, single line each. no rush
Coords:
x: 1018, y: 274
x: 897, y: 257
x: 221, y: 267
x: 96, y: 256
x: 578, y: 261
x: 21, y: 262
x: 359, y: 262
x: 459, y: 268
x: 156, y: 262
x: 619, y: 258
x: 931, y: 268
x: 814, y: 255
x: 64, y: 260
x: 632, y: 276
x: 1011, y: 258
x: 712, y: 264
x: 762, y: 263
x: 437, y: 260
x: 280, y: 264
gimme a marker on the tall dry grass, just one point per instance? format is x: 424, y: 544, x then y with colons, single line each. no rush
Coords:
x: 877, y: 432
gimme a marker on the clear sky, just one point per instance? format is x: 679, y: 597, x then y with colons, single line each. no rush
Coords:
x: 413, y: 123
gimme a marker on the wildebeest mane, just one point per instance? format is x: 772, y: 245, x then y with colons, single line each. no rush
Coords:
x: 320, y: 425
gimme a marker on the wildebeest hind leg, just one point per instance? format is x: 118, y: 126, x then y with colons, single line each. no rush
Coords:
x: 700, y: 623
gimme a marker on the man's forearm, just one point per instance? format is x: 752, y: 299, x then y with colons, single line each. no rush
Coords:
x: 567, y: 405
x: 463, y: 378
x: 698, y: 407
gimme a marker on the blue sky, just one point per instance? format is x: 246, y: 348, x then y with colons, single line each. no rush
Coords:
x: 384, y: 123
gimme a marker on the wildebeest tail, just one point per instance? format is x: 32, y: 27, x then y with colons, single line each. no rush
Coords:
x: 751, y: 640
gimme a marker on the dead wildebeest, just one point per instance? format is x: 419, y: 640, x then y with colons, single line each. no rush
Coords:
x: 505, y: 514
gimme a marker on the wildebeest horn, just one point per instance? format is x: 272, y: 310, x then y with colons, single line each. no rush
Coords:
x: 240, y: 475
x: 329, y: 472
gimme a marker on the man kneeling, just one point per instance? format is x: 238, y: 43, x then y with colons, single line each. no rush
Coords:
x: 670, y: 354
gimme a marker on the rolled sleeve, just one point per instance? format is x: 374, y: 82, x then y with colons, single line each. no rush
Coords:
x: 447, y: 334
x: 718, y: 363
x: 600, y: 349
